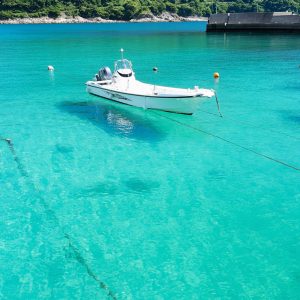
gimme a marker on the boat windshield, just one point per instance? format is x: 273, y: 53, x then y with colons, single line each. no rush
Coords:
x: 123, y: 64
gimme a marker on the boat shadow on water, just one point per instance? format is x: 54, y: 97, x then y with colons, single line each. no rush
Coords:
x: 116, y: 119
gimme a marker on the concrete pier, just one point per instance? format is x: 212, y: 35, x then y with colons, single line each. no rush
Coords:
x: 254, y: 22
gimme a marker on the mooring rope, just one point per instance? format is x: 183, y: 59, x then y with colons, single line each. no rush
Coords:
x: 250, y: 124
x: 231, y: 142
x: 76, y: 252
x: 218, y: 105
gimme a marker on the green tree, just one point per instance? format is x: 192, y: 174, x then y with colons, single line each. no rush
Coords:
x: 171, y: 7
x: 185, y: 10
x: 128, y: 9
x: 88, y: 11
x: 157, y: 7
x: 281, y: 5
x: 115, y: 12
x: 53, y: 12
x: 131, y: 9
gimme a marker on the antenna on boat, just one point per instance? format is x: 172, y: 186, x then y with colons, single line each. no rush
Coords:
x: 155, y: 70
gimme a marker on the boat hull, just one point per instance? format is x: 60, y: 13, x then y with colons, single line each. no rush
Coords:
x: 182, y: 105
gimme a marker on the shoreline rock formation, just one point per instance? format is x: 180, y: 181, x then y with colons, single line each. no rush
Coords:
x: 63, y: 19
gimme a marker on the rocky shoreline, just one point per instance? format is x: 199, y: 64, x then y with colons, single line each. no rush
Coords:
x: 165, y: 17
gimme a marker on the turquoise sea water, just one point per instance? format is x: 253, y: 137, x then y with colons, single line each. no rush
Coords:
x: 104, y: 201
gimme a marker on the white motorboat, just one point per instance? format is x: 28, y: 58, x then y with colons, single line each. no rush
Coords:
x: 121, y: 86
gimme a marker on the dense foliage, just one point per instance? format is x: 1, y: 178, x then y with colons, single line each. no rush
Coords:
x: 128, y: 9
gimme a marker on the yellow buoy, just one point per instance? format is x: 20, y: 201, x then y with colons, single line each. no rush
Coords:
x: 216, y: 75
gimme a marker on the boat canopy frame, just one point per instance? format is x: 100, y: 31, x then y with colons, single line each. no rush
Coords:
x: 122, y: 64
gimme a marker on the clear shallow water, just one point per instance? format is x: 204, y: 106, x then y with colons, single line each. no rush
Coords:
x: 100, y: 198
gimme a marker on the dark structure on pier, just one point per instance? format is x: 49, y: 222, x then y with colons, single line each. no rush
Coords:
x: 254, y: 22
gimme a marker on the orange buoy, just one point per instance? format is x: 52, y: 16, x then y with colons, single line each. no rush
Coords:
x: 216, y: 75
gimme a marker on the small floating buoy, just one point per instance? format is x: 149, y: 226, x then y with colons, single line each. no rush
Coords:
x: 155, y: 69
x: 216, y: 75
x: 50, y: 68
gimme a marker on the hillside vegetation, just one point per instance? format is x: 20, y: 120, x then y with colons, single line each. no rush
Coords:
x: 129, y: 9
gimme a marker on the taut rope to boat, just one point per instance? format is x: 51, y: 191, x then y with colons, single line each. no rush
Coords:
x: 231, y: 142
x: 251, y: 125
x: 218, y: 106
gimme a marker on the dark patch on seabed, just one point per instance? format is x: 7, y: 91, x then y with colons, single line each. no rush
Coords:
x: 111, y: 188
x: 64, y: 149
x: 115, y: 120
x: 141, y: 186
x: 215, y: 174
x: 100, y: 189
x: 293, y: 116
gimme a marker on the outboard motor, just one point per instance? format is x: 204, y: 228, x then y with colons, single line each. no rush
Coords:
x: 105, y: 74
